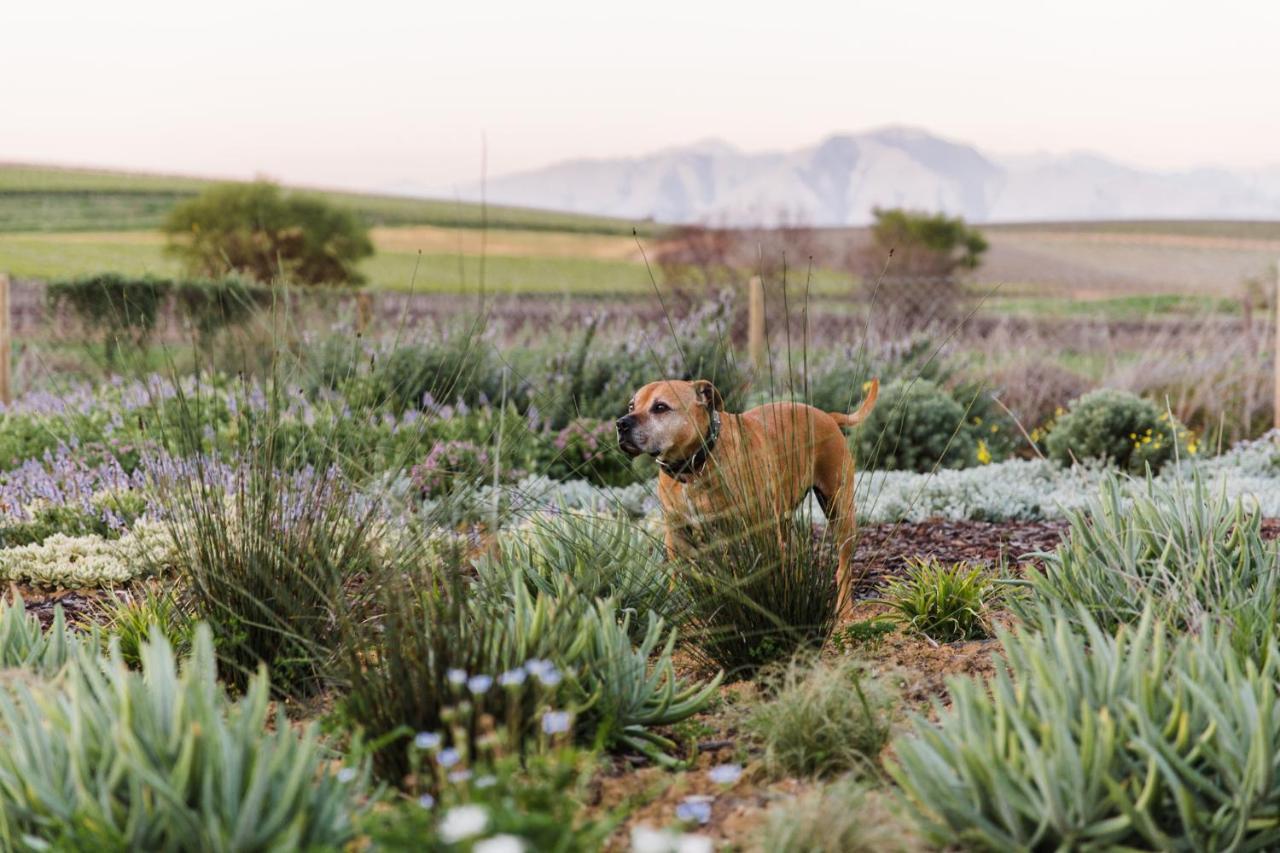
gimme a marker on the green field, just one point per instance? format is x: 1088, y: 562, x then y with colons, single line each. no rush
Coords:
x: 34, y: 198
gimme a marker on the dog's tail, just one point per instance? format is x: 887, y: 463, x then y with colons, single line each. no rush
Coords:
x: 873, y: 391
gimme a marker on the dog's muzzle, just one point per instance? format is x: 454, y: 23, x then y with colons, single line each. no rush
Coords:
x: 626, y: 441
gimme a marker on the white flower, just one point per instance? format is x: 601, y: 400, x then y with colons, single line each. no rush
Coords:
x: 725, y: 774
x: 646, y: 840
x: 347, y: 774
x: 478, y: 684
x: 459, y: 776
x: 463, y: 822
x: 427, y: 740
x: 457, y: 677
x: 448, y: 757
x: 556, y: 722
x: 427, y: 801
x: 512, y: 678
x: 486, y: 781
x: 549, y: 677
x: 499, y: 844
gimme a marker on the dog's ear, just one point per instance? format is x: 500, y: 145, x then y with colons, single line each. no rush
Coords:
x: 708, y: 395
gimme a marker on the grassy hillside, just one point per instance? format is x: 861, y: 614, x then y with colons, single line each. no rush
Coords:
x: 39, y: 198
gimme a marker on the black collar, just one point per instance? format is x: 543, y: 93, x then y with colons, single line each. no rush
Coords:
x: 686, y: 469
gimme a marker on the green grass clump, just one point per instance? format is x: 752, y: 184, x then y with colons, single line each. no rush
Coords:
x: 110, y: 759
x: 131, y: 621
x: 758, y: 591
x: 945, y: 602
x: 844, y: 816
x: 823, y: 718
x: 1085, y: 740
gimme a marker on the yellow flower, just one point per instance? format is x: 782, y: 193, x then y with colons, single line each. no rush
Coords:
x: 994, y: 429
x: 1133, y: 435
x: 977, y: 421
x: 984, y: 455
x: 866, y: 385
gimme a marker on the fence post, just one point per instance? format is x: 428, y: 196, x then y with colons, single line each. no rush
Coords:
x: 755, y: 321
x: 364, y: 311
x: 6, y: 342
x: 1275, y: 358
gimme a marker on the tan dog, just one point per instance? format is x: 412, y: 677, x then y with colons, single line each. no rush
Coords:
x: 770, y: 457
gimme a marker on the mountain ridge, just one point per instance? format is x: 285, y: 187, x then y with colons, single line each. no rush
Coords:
x: 839, y: 180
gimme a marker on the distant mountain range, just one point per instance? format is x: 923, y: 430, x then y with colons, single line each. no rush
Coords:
x: 841, y: 179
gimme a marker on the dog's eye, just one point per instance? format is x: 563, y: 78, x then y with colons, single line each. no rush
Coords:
x: 659, y: 408
x: 631, y: 405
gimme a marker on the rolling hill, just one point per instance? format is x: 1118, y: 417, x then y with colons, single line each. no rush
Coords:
x: 44, y: 198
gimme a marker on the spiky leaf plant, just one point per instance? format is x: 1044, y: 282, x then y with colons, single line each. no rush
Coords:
x: 1088, y: 741
x: 111, y: 759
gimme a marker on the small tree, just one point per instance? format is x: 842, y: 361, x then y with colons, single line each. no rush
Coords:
x: 256, y: 230
x: 915, y: 258
x: 927, y: 245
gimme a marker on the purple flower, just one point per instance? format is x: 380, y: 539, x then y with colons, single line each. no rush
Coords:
x: 725, y: 774
x: 694, y: 809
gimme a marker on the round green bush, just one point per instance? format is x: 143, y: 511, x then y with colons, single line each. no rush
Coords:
x: 1118, y: 428
x: 916, y: 426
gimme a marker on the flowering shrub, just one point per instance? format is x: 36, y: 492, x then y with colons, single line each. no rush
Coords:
x: 588, y: 450
x: 1120, y: 428
x: 79, y: 562
x: 451, y: 465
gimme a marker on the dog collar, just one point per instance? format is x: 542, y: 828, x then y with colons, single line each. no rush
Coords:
x: 686, y: 469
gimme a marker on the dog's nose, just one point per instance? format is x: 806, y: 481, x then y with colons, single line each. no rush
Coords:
x: 624, y: 424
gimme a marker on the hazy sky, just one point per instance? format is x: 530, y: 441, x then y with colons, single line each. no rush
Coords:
x: 375, y: 94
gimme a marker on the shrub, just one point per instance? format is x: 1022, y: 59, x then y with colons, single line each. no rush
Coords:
x: 460, y: 367
x: 1086, y: 740
x: 1118, y: 428
x: 162, y: 760
x: 588, y: 450
x: 122, y: 310
x: 844, y: 816
x: 449, y: 466
x: 257, y: 231
x: 824, y: 718
x: 916, y: 426
x: 756, y: 589
x: 946, y: 603
x: 1196, y: 553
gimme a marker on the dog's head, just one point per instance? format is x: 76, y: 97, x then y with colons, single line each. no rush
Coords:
x: 668, y: 418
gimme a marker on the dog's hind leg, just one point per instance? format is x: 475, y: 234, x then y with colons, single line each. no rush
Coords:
x: 835, y: 495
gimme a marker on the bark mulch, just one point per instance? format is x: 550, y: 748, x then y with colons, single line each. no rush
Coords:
x: 884, y: 549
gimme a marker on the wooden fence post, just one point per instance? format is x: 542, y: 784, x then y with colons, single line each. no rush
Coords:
x: 6, y: 342
x: 364, y: 311
x: 1275, y: 358
x: 755, y: 321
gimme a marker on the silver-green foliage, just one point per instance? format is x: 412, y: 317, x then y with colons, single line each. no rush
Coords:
x: 622, y: 687
x: 1088, y: 741
x: 610, y: 556
x: 1196, y: 554
x: 105, y: 758
x: 25, y: 645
